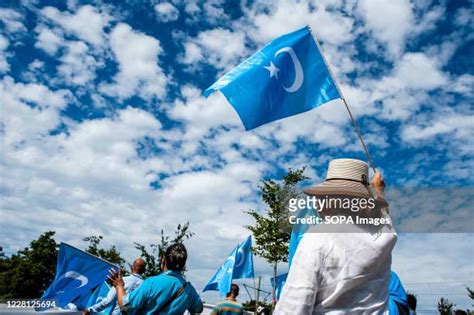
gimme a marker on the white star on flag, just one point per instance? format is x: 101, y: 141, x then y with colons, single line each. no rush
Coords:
x: 273, y: 70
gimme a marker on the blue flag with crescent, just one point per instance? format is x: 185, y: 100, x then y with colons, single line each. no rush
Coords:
x: 287, y: 77
x: 238, y: 265
x: 77, y: 274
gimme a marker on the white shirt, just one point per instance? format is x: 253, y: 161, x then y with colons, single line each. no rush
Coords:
x: 340, y: 273
x: 131, y: 282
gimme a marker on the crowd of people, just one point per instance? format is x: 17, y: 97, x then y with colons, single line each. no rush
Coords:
x: 166, y: 293
x: 343, y: 273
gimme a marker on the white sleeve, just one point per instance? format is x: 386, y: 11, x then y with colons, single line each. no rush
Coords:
x: 299, y: 292
x: 104, y: 303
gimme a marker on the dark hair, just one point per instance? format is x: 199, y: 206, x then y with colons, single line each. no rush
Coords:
x: 175, y: 257
x: 460, y: 312
x: 411, y: 301
x: 234, y: 290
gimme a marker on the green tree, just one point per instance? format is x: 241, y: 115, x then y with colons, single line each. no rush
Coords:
x: 28, y: 273
x: 111, y: 255
x: 272, y: 230
x: 445, y: 307
x: 155, y: 253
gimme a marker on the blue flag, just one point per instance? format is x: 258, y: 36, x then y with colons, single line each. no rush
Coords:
x: 89, y: 299
x: 297, y: 232
x: 397, y: 298
x: 77, y: 274
x: 286, y: 77
x: 280, y: 282
x: 238, y: 265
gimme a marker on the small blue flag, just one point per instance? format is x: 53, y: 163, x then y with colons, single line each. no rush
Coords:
x: 286, y: 77
x: 397, y: 296
x: 280, y: 282
x: 77, y: 274
x: 297, y: 232
x: 238, y: 265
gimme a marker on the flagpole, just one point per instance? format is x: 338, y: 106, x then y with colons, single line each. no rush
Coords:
x: 354, y: 123
x: 256, y: 295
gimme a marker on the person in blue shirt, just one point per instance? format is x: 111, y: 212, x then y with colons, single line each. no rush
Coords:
x: 131, y: 283
x: 166, y: 293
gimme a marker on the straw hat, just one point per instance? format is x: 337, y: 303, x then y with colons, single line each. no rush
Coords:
x: 347, y: 177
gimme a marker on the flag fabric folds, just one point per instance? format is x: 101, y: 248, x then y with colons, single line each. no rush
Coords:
x: 286, y: 77
x: 280, y: 282
x: 77, y: 274
x: 238, y: 265
x: 90, y: 298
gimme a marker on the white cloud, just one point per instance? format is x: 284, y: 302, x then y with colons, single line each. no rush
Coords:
x: 201, y: 114
x: 417, y: 71
x: 12, y: 20
x: 166, y: 12
x: 4, y: 65
x: 77, y: 65
x: 389, y: 21
x: 49, y: 40
x: 92, y: 169
x: 456, y: 127
x: 87, y: 23
x: 402, y: 91
x: 219, y: 47
x: 463, y: 84
x: 193, y: 53
x: 286, y: 16
x: 94, y: 175
x: 22, y: 121
x: 464, y: 17
x: 211, y: 11
x: 137, y: 57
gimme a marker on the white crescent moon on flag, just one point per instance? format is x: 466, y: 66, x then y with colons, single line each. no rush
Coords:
x: 77, y: 276
x: 299, y: 76
x: 240, y: 257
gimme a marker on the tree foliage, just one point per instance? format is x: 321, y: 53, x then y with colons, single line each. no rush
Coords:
x: 155, y: 252
x: 470, y: 293
x: 272, y: 229
x: 445, y: 307
x: 111, y: 255
x: 29, y: 272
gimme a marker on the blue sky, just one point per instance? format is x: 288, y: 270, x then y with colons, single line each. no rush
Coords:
x: 105, y: 130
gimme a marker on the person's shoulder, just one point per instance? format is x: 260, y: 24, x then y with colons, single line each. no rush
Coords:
x: 191, y: 289
x: 128, y: 279
x: 314, y: 238
x: 159, y: 278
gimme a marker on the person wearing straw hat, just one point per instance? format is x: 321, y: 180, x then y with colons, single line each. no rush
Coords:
x: 343, y: 268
